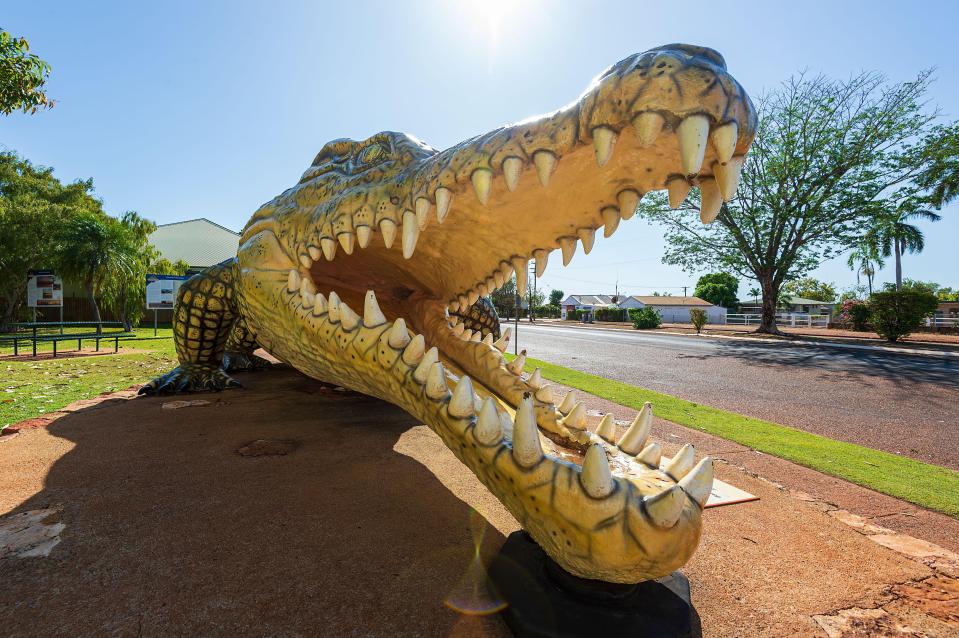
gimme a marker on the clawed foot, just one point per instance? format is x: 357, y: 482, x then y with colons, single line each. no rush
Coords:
x: 233, y: 361
x: 191, y: 378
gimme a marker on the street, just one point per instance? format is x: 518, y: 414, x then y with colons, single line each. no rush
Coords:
x: 904, y: 404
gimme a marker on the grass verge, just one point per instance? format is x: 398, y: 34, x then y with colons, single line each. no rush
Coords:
x: 930, y: 486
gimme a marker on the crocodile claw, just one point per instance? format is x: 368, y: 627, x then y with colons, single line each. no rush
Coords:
x: 190, y: 378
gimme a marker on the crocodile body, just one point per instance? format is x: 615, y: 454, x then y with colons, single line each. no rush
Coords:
x: 372, y: 272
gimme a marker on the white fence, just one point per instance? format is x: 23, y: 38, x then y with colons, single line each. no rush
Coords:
x: 942, y: 322
x: 791, y: 320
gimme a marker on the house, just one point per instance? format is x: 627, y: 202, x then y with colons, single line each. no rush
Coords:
x: 199, y: 242
x: 675, y: 309
x: 586, y: 303
x: 790, y: 304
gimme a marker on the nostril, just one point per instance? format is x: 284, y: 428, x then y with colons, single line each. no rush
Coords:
x: 711, y: 55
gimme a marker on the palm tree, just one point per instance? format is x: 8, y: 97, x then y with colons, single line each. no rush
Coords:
x: 895, y: 235
x: 865, y: 259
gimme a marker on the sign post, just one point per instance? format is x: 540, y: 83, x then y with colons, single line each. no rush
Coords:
x: 44, y: 290
x: 161, y: 293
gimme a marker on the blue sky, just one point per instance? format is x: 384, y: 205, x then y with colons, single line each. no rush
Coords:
x: 189, y: 109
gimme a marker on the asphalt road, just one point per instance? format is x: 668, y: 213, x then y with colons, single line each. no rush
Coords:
x: 904, y: 404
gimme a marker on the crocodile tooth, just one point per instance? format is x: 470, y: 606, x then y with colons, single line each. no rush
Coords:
x: 541, y: 255
x: 516, y: 365
x: 727, y: 177
x: 699, y: 482
x: 308, y: 298
x: 567, y: 246
x: 512, y: 168
x: 346, y: 241
x: 411, y: 233
x: 372, y: 315
x: 436, y: 387
x: 306, y: 261
x: 501, y: 343
x: 628, y: 201
x: 665, y: 508
x: 521, y: 268
x: 635, y: 437
x: 604, y: 139
x: 476, y: 336
x: 681, y: 463
x: 535, y: 380
x: 464, y: 304
x: 711, y: 201
x: 315, y: 253
x: 567, y: 403
x: 544, y: 394
x: 472, y: 297
x: 466, y: 334
x: 444, y: 198
x: 399, y: 336
x: 413, y: 353
x: 348, y: 319
x: 488, y: 430
x: 329, y: 247
x: 293, y: 281
x: 423, y: 369
x: 545, y: 161
x: 648, y: 126
x: 481, y: 289
x: 610, y: 221
x: 458, y: 328
x: 596, y: 477
x: 724, y: 141
x: 319, y: 304
x: 498, y: 279
x: 422, y: 206
x: 363, y: 235
x: 527, y: 450
x: 651, y: 455
x: 607, y: 428
x: 388, y: 230
x: 488, y: 339
x: 507, y: 333
x: 692, y: 134
x: 678, y: 189
x: 306, y: 286
x: 576, y: 419
x: 461, y: 403
x: 482, y: 179
x: 587, y: 236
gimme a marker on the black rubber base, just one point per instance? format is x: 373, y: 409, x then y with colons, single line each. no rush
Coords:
x: 546, y: 601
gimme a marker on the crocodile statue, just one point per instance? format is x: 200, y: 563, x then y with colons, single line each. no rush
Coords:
x: 452, y: 227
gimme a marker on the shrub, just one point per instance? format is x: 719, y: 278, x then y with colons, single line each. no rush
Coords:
x: 645, y: 318
x: 854, y: 313
x: 609, y: 314
x: 896, y: 313
x: 699, y: 318
x: 574, y: 315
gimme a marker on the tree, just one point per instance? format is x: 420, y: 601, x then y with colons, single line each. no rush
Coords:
x: 896, y: 313
x: 699, y: 318
x: 895, y: 235
x: 534, y: 299
x: 22, y: 77
x: 504, y: 298
x: 829, y: 157
x: 555, y: 297
x: 718, y: 288
x: 865, y: 258
x: 947, y: 294
x: 810, y: 288
x: 941, y: 175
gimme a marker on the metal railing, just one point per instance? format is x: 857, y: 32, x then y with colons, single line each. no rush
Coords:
x: 942, y: 322
x: 790, y: 320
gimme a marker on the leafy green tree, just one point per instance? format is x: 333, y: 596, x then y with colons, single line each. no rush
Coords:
x: 504, y: 298
x: 896, y: 313
x: 22, y: 77
x: 555, y: 297
x: 941, y: 175
x: 829, y: 158
x: 865, y: 259
x: 895, y: 235
x: 947, y: 294
x: 699, y: 318
x: 810, y: 288
x: 718, y: 288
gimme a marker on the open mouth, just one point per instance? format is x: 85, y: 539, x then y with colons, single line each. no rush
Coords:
x: 415, y: 257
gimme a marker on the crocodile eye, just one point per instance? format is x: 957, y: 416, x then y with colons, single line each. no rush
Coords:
x: 372, y: 154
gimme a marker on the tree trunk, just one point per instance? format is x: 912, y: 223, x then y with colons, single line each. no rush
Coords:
x: 767, y: 324
x: 88, y: 285
x: 898, y: 264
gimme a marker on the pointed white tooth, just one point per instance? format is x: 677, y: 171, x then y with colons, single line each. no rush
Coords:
x: 464, y: 303
x: 306, y: 260
x: 651, y: 455
x: 307, y: 287
x: 399, y: 336
x: 467, y: 334
x: 507, y: 333
x: 727, y: 177
x: 648, y: 126
x: 476, y: 337
x: 293, y: 281
x: 411, y: 233
x: 635, y: 437
x: 488, y: 430
x: 413, y: 353
x: 576, y: 419
x: 678, y: 189
x: 363, y: 235
x: 607, y: 428
x: 545, y: 161
x: 488, y: 339
x: 388, y: 230
x: 372, y: 315
x: 521, y: 268
x: 501, y: 343
x: 596, y: 477
x: 334, y: 309
x: 422, y: 206
x: 482, y: 179
x: 587, y: 236
x: 665, y: 508
x: 610, y: 220
x: 472, y: 297
x: 461, y: 403
x: 692, y: 134
x: 541, y: 256
x: 423, y: 369
x: 319, y: 304
x: 498, y: 279
x: 527, y: 450
x: 444, y: 198
x: 535, y: 380
x: 329, y: 247
x: 568, y: 247
x: 544, y: 394
x: 567, y: 403
x: 679, y: 465
x: 699, y: 482
x: 628, y: 201
x: 308, y: 299
x: 315, y: 253
x: 516, y: 365
x: 512, y: 167
x: 436, y: 387
x: 346, y: 241
x: 711, y: 201
x: 724, y: 141
x: 348, y: 319
x: 482, y: 290
x: 604, y: 139
x: 458, y: 328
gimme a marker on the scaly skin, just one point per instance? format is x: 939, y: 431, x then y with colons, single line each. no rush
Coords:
x: 453, y: 226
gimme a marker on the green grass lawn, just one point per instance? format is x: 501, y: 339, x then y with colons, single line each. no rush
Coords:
x: 929, y: 486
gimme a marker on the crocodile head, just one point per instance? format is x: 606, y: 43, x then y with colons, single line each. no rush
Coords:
x: 413, y: 239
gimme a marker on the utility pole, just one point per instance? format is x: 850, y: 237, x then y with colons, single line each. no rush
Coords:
x: 532, y: 279
x: 684, y: 290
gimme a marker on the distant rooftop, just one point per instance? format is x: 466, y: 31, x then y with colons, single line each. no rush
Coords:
x: 664, y: 300
x: 593, y: 300
x: 802, y: 301
x: 199, y: 242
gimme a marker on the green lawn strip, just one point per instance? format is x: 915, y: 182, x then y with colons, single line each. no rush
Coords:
x: 930, y: 486
x: 144, y: 340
